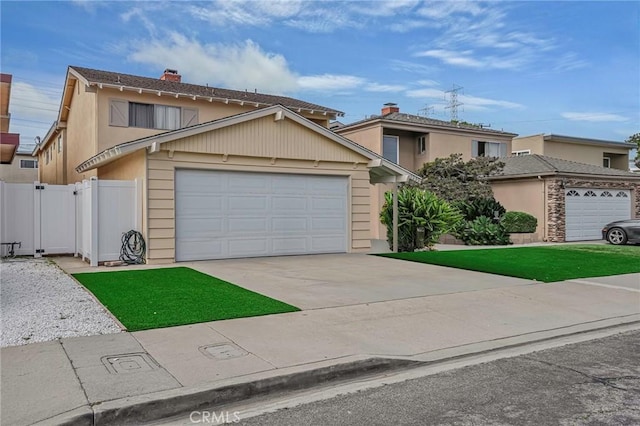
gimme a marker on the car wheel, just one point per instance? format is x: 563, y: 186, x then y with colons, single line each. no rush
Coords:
x: 616, y: 236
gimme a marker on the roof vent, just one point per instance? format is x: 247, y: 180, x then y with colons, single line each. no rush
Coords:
x: 389, y: 108
x: 171, y: 75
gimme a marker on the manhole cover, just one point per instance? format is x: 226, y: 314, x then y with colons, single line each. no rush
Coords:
x: 223, y: 351
x: 128, y: 363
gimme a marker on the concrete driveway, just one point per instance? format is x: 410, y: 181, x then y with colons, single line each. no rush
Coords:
x: 323, y: 281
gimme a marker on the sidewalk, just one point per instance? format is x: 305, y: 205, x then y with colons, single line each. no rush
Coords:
x: 147, y: 375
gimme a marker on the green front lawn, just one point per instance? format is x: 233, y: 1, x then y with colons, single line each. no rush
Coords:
x: 156, y: 298
x: 546, y: 264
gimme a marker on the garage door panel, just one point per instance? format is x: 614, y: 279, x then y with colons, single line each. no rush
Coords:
x: 289, y: 204
x: 588, y: 210
x: 259, y: 214
x: 289, y: 224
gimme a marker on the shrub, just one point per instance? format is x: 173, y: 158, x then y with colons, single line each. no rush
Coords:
x: 418, y: 208
x: 518, y: 222
x: 483, y: 232
x: 473, y: 209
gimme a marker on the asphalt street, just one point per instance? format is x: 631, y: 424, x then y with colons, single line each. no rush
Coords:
x: 590, y: 383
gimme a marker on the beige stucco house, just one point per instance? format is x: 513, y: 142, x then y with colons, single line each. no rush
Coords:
x: 572, y: 201
x: 23, y: 169
x: 9, y: 142
x: 411, y: 140
x: 260, y: 183
x: 224, y: 173
x: 609, y: 154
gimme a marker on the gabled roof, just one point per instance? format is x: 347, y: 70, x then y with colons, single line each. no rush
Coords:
x: 417, y: 120
x: 128, y: 81
x: 379, y: 166
x: 541, y: 165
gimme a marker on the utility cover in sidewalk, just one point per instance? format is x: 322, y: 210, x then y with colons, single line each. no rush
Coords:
x: 129, y: 363
x: 223, y: 351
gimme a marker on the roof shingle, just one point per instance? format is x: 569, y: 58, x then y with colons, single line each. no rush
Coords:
x: 541, y: 164
x: 128, y: 80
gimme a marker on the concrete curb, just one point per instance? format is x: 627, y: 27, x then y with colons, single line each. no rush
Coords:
x: 156, y: 406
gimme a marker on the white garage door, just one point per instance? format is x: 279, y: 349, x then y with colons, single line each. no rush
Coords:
x: 223, y: 215
x: 588, y: 210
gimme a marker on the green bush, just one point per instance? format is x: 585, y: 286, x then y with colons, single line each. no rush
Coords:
x: 418, y: 208
x: 483, y: 232
x: 518, y: 222
x: 473, y: 209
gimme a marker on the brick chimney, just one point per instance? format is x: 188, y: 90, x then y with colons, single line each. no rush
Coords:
x: 171, y: 75
x: 389, y: 107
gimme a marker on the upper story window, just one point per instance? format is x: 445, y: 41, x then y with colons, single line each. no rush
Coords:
x: 150, y: 116
x: 606, y: 162
x: 59, y: 143
x: 422, y: 144
x: 390, y: 148
x: 489, y: 149
x: 28, y: 164
x: 521, y: 152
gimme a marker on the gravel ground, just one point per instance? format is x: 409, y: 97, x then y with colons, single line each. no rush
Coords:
x: 39, y: 302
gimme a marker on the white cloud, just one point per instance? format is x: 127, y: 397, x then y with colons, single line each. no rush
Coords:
x: 330, y: 82
x: 236, y: 66
x: 412, y: 67
x: 33, y: 110
x: 376, y: 87
x: 462, y: 59
x: 593, y: 116
x: 569, y: 61
x: 386, y: 8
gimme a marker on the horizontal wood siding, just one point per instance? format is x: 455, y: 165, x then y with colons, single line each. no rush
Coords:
x: 161, y: 204
x: 266, y: 138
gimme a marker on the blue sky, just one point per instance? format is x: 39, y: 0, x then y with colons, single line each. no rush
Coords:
x: 526, y: 67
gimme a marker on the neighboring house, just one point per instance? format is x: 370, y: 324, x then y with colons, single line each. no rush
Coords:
x: 9, y: 142
x: 412, y: 140
x: 572, y: 201
x: 23, y: 169
x: 609, y: 154
x: 261, y: 183
x: 101, y: 109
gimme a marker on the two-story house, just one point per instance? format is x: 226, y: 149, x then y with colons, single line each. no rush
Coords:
x: 223, y: 173
x: 412, y: 140
x: 609, y: 154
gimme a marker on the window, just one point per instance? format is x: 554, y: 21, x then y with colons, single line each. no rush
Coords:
x: 488, y: 149
x: 521, y: 152
x: 151, y: 116
x: 606, y: 162
x: 59, y: 143
x: 390, y: 148
x: 28, y: 164
x: 422, y: 144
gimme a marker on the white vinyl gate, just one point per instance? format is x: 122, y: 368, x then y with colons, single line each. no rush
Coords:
x: 243, y: 214
x: 587, y: 210
x: 85, y: 219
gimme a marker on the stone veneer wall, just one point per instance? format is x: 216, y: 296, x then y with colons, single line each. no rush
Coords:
x: 556, y: 200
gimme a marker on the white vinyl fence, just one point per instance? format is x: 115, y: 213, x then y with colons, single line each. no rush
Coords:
x: 86, y: 219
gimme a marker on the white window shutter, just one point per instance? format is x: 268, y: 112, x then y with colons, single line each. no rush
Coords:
x: 189, y: 117
x: 118, y: 113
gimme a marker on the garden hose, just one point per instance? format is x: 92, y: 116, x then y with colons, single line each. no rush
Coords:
x: 133, y: 248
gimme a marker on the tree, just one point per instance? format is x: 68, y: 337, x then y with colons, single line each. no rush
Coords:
x: 454, y: 180
x: 635, y: 139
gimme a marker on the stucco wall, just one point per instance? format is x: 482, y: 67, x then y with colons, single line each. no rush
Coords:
x: 589, y: 154
x: 81, y: 131
x: 370, y: 137
x: 443, y: 144
x: 524, y: 195
x: 534, y: 143
x: 12, y: 173
x: 54, y: 171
